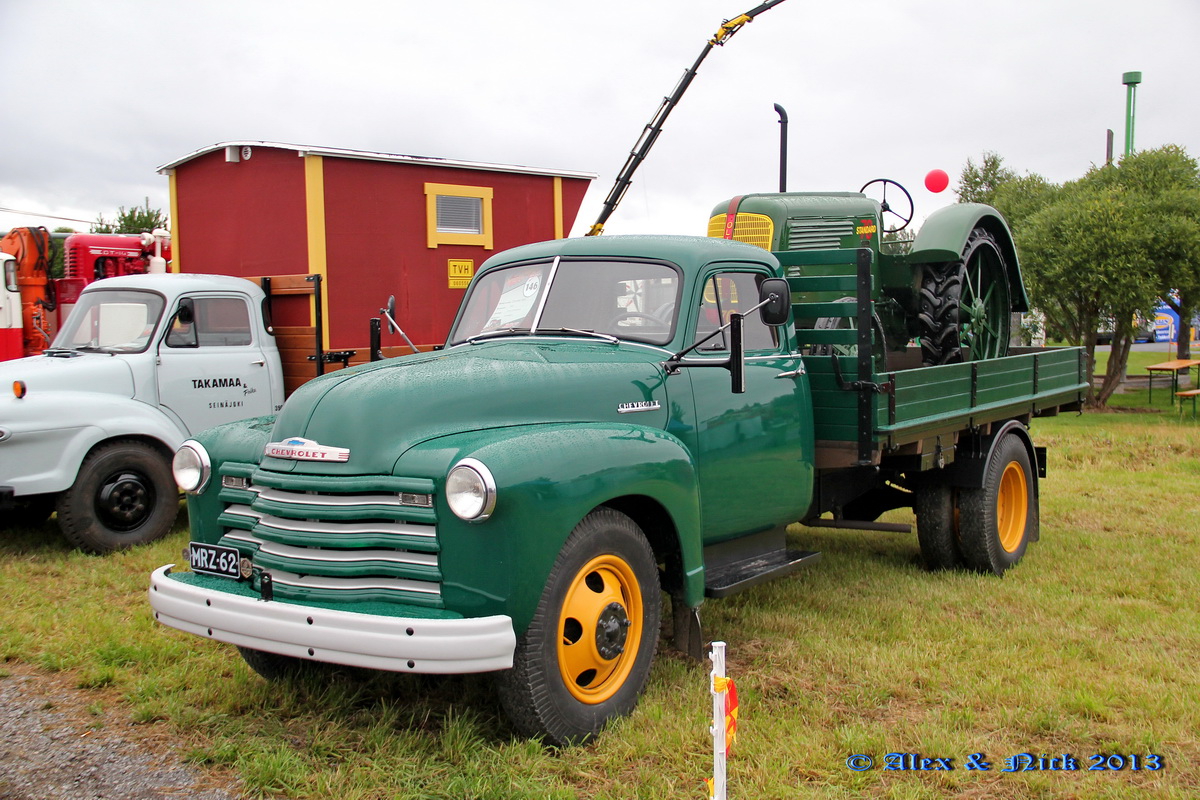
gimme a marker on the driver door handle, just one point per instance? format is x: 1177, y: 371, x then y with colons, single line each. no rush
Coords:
x: 259, y: 363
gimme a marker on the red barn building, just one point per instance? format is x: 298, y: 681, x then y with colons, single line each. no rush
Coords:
x: 371, y: 224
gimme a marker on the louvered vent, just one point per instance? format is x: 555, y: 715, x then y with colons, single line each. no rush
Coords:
x: 459, y: 214
x: 818, y: 234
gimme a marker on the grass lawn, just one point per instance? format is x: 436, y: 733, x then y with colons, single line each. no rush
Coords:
x: 1090, y: 646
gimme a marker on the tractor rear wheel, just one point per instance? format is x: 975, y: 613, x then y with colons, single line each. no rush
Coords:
x: 966, y: 305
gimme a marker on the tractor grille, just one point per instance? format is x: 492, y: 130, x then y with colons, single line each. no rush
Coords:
x: 336, y: 540
x: 754, y: 229
x: 818, y: 234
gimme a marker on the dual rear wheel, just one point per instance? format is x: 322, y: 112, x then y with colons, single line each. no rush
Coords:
x: 987, y: 528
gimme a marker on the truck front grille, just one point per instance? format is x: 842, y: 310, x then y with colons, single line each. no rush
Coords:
x: 333, y: 540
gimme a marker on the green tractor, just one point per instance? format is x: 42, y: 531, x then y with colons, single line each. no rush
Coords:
x: 953, y: 290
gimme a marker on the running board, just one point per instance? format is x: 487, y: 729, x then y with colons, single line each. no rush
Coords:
x: 738, y: 576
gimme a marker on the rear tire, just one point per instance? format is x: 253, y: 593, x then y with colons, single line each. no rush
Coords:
x: 586, y: 655
x: 123, y: 496
x: 999, y: 520
x: 935, y: 504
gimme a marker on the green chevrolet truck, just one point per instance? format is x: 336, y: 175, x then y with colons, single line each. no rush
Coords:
x: 611, y: 419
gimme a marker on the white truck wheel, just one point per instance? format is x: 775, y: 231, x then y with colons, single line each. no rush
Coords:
x: 123, y: 496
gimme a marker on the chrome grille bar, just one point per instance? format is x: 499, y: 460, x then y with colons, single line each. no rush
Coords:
x: 355, y: 584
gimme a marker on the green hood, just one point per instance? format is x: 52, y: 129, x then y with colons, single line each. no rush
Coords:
x: 381, y: 410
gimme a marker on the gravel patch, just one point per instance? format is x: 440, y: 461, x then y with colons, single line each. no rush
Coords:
x: 58, y: 743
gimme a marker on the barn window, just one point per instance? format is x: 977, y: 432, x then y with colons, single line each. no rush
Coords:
x: 458, y: 214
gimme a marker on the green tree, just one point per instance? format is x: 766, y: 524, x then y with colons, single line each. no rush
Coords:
x: 60, y: 251
x: 899, y: 242
x: 1088, y: 259
x: 978, y: 182
x: 1106, y: 246
x: 135, y: 220
x: 1166, y: 182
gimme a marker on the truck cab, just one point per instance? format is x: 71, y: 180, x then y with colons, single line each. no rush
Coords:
x: 88, y: 427
x: 10, y: 309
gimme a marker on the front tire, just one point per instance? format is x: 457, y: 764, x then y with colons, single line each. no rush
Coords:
x: 1000, y: 519
x: 586, y: 655
x: 123, y: 496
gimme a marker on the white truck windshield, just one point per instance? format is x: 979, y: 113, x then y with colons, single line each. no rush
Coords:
x: 115, y: 321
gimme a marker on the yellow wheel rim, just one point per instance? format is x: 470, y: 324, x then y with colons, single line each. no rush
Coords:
x: 599, y: 629
x: 1012, y: 507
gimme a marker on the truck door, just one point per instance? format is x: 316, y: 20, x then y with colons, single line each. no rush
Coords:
x: 211, y: 370
x: 754, y: 450
x: 10, y: 309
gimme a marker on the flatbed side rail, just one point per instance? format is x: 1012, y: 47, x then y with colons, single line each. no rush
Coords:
x: 972, y: 394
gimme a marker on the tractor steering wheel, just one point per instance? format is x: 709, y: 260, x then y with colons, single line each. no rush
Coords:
x: 615, y: 322
x: 884, y: 208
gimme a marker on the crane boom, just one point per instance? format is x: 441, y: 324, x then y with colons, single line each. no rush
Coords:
x: 653, y: 128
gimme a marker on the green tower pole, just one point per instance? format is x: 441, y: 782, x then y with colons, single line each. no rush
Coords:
x: 1131, y: 80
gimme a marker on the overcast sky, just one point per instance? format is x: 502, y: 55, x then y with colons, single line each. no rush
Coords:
x: 99, y: 93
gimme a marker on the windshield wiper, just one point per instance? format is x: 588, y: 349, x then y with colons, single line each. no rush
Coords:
x: 60, y: 351
x: 608, y: 337
x: 496, y: 333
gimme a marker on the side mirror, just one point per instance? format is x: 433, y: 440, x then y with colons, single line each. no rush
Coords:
x: 182, y: 333
x: 187, y: 311
x: 776, y: 297
x: 390, y: 311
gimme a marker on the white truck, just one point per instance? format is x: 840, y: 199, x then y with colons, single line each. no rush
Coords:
x: 88, y: 428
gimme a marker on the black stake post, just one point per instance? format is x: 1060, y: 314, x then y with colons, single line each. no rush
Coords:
x: 783, y: 123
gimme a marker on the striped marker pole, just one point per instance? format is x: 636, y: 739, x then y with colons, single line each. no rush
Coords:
x: 717, y: 785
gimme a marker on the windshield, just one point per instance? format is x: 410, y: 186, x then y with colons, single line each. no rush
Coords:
x: 115, y: 321
x: 633, y: 300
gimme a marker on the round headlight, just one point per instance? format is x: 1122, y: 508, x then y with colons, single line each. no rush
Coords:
x: 471, y: 491
x: 191, y: 467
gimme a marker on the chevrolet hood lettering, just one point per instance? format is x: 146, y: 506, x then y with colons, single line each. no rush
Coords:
x: 299, y: 449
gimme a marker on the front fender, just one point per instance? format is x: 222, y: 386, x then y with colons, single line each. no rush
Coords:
x: 548, y: 477
x: 944, y: 235
x: 51, y: 432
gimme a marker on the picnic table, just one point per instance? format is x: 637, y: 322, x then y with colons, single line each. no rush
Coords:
x: 1174, y: 367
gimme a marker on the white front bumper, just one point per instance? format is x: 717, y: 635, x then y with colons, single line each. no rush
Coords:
x: 397, y: 644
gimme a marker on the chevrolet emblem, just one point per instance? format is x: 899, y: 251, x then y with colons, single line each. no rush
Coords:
x: 299, y: 449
